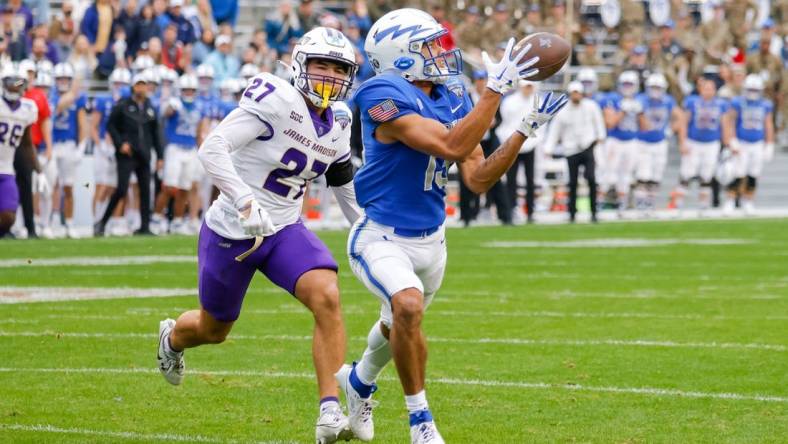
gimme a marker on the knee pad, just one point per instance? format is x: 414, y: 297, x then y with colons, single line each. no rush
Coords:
x: 752, y: 182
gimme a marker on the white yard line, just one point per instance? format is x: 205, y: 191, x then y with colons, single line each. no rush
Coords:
x: 168, y: 437
x: 651, y: 391
x: 438, y: 339
x: 614, y: 243
x: 91, y: 261
x: 15, y: 295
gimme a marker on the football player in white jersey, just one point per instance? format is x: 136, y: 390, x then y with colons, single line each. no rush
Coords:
x: 262, y: 156
x: 16, y: 116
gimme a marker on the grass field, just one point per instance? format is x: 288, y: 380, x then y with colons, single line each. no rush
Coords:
x: 669, y: 332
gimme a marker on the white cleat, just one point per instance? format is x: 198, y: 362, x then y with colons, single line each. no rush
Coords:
x: 749, y: 208
x: 332, y: 426
x: 729, y: 207
x: 71, y: 233
x: 359, y: 409
x: 425, y: 433
x: 171, y: 365
x: 47, y: 233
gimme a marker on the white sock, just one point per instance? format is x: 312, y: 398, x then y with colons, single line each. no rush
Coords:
x: 70, y: 223
x: 417, y: 402
x: 376, y: 356
x: 325, y: 405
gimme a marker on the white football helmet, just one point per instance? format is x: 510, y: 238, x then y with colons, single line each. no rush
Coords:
x: 142, y: 63
x: 120, y: 75
x: 167, y: 75
x: 45, y: 66
x: 249, y: 70
x: 628, y: 83
x: 396, y: 43
x: 656, y: 85
x: 14, y: 82
x: 753, y: 87
x: 589, y: 79
x: 226, y: 89
x: 325, y: 44
x: 43, y: 81
x: 187, y: 85
x: 205, y: 75
x: 28, y: 67
x: 64, y: 76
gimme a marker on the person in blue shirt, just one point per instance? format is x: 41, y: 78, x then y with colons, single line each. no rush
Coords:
x: 416, y: 123
x: 662, y: 118
x: 751, y: 114
x: 69, y: 128
x: 700, y: 136
x: 624, y: 119
x: 181, y: 116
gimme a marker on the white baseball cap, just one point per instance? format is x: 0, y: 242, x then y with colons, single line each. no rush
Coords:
x: 223, y: 40
x: 175, y: 3
x: 575, y: 86
x: 140, y: 77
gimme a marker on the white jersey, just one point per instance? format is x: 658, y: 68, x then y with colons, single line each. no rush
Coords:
x: 282, y: 150
x: 13, y: 122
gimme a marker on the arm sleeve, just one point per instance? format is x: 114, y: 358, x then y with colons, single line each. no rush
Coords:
x: 346, y: 198
x: 233, y: 133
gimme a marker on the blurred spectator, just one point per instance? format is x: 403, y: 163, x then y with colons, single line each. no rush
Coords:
x: 496, y: 30
x: 186, y: 34
x: 201, y: 16
x: 742, y: 15
x: 224, y: 11
x: 160, y: 13
x: 172, y: 49
x: 780, y: 15
x: 359, y: 15
x: 64, y: 26
x: 683, y: 73
x: 282, y: 26
x: 97, y: 25
x: 46, y: 47
x: 147, y: 26
x: 203, y: 47
x: 40, y: 10
x: 768, y: 66
x: 716, y: 35
x: 469, y: 33
x: 667, y: 41
x: 4, y: 57
x: 439, y: 14
x: 589, y: 56
x: 128, y: 19
x: 225, y: 64
x: 733, y: 76
x: 633, y: 18
x: 625, y: 46
x: 379, y: 8
x: 154, y: 50
x: 365, y: 71
x: 686, y: 32
x: 22, y: 16
x: 308, y: 16
x: 768, y: 29
x: 532, y: 22
x: 82, y: 58
x: 557, y: 15
x: 637, y: 62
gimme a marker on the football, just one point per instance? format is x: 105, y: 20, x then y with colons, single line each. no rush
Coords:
x: 553, y: 52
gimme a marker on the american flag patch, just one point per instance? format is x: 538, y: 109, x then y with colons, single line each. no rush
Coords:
x: 384, y: 111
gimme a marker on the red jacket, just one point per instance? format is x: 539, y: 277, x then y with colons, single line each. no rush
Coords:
x: 44, y: 112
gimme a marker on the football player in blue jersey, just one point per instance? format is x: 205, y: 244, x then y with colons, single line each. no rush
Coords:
x: 70, y: 126
x: 700, y: 136
x: 662, y: 116
x: 624, y: 118
x: 753, y: 144
x: 417, y: 119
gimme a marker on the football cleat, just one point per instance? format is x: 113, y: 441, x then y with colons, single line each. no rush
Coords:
x: 359, y: 409
x: 171, y: 364
x: 425, y: 433
x: 332, y: 426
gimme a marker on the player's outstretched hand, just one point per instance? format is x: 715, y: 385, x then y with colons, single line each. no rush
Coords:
x: 255, y: 220
x: 502, y: 76
x: 544, y: 110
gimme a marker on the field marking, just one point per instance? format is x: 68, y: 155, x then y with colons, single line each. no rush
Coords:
x: 91, y: 261
x: 613, y: 242
x: 15, y: 295
x: 438, y: 339
x: 48, y: 428
x: 652, y: 391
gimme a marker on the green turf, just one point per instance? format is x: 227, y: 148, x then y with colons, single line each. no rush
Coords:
x: 722, y: 308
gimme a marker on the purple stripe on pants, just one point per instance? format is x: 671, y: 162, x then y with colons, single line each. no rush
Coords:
x: 282, y: 258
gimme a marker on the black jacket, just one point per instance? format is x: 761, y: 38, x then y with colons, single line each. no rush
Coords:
x: 139, y: 126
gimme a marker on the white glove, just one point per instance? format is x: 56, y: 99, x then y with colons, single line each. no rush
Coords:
x: 501, y: 76
x: 42, y: 184
x: 542, y: 112
x: 175, y: 104
x: 258, y: 223
x: 768, y: 152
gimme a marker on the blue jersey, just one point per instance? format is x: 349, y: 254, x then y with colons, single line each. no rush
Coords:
x: 181, y: 127
x: 600, y: 98
x: 210, y: 106
x: 228, y: 107
x: 705, y: 118
x: 657, y: 113
x: 65, y: 125
x: 751, y: 118
x: 629, y: 125
x: 399, y: 186
x: 102, y: 105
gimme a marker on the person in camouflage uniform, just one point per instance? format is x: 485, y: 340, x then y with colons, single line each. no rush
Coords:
x: 740, y: 24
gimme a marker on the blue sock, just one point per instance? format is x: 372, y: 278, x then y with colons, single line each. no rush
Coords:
x: 363, y: 390
x: 329, y: 399
x: 420, y: 417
